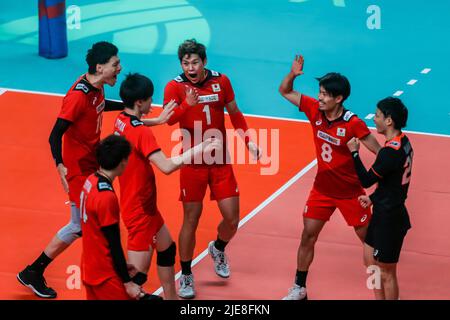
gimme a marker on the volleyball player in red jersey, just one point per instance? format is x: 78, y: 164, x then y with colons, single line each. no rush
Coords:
x: 202, y: 95
x: 138, y: 195
x: 336, y: 184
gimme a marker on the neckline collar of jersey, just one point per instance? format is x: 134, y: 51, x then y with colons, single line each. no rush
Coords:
x: 397, y: 138
x: 340, y: 118
x: 87, y: 83
x: 199, y: 84
x: 102, y: 178
x: 131, y: 116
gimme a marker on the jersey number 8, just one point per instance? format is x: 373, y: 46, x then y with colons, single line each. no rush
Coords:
x: 326, y: 152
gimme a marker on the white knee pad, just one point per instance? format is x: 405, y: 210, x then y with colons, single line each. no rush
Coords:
x: 72, y: 231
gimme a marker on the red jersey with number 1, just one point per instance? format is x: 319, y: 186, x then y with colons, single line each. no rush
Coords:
x: 83, y: 106
x: 336, y: 176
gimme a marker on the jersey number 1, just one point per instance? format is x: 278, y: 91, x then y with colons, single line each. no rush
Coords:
x: 208, y: 114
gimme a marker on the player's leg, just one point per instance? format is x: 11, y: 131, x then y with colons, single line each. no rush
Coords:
x: 166, y: 252
x: 186, y: 241
x: 33, y: 275
x: 370, y: 262
x: 389, y: 280
x: 355, y: 216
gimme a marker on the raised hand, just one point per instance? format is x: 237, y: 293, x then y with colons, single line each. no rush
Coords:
x: 167, y: 112
x: 191, y: 96
x: 297, y: 65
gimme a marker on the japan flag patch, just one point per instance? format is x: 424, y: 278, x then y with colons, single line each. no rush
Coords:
x: 340, y: 132
x: 215, y: 87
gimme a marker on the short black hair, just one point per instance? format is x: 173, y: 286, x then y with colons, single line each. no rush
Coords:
x: 335, y: 84
x: 100, y: 53
x: 191, y: 46
x: 394, y: 108
x: 135, y: 87
x: 112, y: 150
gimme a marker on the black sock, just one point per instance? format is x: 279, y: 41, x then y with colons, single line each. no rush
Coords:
x: 300, y: 278
x: 186, y: 267
x: 220, y: 244
x: 41, y: 263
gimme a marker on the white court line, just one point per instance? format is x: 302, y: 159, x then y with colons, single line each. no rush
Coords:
x: 370, y: 116
x: 246, y: 114
x: 253, y: 213
x: 412, y: 82
x: 425, y: 71
x: 2, y: 91
x: 398, y: 93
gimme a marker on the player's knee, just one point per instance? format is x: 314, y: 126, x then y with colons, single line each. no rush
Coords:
x: 308, y: 238
x: 69, y: 233
x: 166, y: 258
x: 233, y: 223
x: 140, y: 278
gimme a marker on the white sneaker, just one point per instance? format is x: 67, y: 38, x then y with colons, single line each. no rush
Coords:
x: 220, y: 261
x: 186, y: 290
x: 296, y: 293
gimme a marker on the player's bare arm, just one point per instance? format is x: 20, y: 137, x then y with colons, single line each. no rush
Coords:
x: 286, y: 88
x: 371, y: 143
x: 163, y: 117
x: 169, y: 165
x: 239, y: 123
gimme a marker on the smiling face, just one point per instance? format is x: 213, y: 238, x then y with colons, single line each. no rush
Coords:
x: 327, y: 102
x: 110, y: 70
x: 193, y: 67
x: 381, y: 122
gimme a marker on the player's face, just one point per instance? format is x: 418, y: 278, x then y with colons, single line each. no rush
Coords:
x: 193, y: 67
x: 110, y: 70
x: 326, y: 101
x: 380, y: 121
x: 146, y: 106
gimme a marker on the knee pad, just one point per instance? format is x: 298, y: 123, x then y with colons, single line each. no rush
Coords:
x: 140, y: 278
x: 69, y: 233
x: 72, y: 230
x: 166, y: 258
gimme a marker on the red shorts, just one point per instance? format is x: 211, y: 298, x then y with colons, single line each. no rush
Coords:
x: 76, y: 184
x: 321, y: 207
x: 111, y: 289
x: 142, y: 230
x: 195, y: 179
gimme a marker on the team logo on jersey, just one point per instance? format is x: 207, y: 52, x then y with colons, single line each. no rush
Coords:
x: 136, y: 123
x: 101, y: 106
x: 341, y: 132
x: 215, y: 87
x: 394, y: 144
x: 82, y: 87
x: 364, y: 217
x: 325, y: 136
x: 178, y: 79
x: 215, y: 73
x: 104, y: 186
x: 208, y: 98
x: 318, y: 122
x: 348, y: 115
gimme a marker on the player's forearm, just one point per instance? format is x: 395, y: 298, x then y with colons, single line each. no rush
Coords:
x: 287, y: 85
x: 178, y: 112
x: 187, y: 156
x: 240, y: 125
x: 112, y: 235
x: 55, y: 139
x: 113, y: 105
x: 367, y: 178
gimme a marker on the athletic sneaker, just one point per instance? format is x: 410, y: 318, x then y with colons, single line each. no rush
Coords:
x: 186, y: 290
x: 36, y: 282
x: 296, y: 293
x: 220, y: 261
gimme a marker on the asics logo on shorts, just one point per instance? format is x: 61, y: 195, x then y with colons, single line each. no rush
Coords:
x: 364, y: 217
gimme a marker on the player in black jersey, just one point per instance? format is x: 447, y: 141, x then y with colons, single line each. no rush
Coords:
x: 392, y: 171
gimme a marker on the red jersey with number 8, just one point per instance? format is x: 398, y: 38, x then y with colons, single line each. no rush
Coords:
x: 336, y: 176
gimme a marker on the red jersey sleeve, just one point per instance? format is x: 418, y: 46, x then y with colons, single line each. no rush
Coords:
x: 228, y: 89
x: 359, y: 128
x: 72, y: 106
x: 108, y: 208
x: 147, y: 142
x: 309, y: 106
x: 171, y: 92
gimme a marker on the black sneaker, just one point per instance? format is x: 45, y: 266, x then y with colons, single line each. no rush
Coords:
x: 36, y: 282
x: 148, y: 296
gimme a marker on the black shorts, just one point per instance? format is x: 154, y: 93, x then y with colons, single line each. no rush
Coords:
x: 385, y: 235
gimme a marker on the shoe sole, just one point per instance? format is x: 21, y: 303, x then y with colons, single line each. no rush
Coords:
x: 187, y: 297
x: 34, y: 290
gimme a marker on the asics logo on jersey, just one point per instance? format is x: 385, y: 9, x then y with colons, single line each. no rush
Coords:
x: 325, y: 136
x: 208, y: 98
x: 104, y: 186
x: 318, y: 122
x: 82, y: 87
x: 348, y: 115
